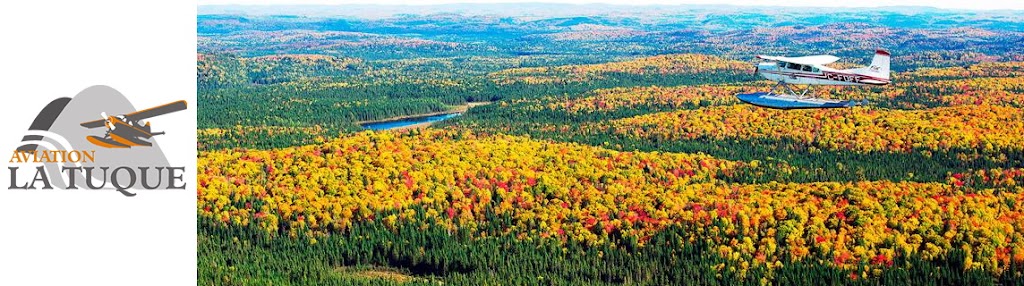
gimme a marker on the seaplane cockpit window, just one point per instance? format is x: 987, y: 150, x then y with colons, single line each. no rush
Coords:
x: 793, y: 66
x: 805, y: 68
x: 782, y: 65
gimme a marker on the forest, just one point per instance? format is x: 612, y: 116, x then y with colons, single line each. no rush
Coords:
x: 611, y: 150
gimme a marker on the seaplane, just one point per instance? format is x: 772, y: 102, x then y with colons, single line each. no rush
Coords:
x: 811, y: 71
x: 127, y: 130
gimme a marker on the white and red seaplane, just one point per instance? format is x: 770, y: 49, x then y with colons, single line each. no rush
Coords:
x: 811, y: 70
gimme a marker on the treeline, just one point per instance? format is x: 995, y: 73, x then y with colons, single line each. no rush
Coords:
x: 225, y: 70
x: 292, y: 91
x: 292, y: 106
x: 795, y: 161
x: 433, y: 254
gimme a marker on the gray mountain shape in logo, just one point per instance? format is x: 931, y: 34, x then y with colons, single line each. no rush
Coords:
x: 87, y: 105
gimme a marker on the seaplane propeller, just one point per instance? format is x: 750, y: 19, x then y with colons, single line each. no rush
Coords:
x: 106, y: 121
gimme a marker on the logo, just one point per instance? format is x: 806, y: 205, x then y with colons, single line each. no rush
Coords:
x: 127, y: 130
x: 875, y: 68
x: 60, y: 149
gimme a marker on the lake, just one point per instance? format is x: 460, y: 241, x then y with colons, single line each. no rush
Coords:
x: 398, y: 123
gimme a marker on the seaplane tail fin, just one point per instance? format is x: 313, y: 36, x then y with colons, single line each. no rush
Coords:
x: 879, y: 65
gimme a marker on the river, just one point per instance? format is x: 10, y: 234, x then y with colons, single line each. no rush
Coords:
x: 407, y: 122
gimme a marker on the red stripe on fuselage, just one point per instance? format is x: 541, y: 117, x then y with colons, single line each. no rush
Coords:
x: 797, y: 74
x: 824, y: 75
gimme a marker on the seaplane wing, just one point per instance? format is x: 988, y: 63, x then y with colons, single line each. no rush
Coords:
x: 94, y: 123
x: 807, y: 60
x: 142, y: 114
x: 158, y: 110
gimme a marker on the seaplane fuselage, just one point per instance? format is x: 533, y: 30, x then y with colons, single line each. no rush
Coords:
x: 814, y: 75
x: 811, y: 70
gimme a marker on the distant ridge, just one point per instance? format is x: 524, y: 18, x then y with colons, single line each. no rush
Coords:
x: 372, y: 11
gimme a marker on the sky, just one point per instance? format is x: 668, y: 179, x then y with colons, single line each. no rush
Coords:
x: 947, y: 4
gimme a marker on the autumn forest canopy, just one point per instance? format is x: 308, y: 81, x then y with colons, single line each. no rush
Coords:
x: 605, y: 146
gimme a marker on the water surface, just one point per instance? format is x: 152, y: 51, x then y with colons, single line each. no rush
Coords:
x: 391, y: 124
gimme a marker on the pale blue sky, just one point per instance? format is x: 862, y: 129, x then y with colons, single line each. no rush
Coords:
x: 949, y: 4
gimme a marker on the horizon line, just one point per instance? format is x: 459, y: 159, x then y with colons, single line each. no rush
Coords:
x: 638, y: 4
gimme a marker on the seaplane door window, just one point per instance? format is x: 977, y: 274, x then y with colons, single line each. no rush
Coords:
x: 805, y: 68
x: 793, y: 66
